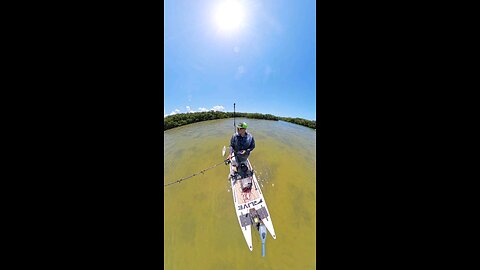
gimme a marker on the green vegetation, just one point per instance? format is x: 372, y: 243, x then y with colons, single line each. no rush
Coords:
x: 300, y: 121
x: 181, y: 119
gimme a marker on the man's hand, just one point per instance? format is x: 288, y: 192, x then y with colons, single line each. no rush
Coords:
x: 229, y: 156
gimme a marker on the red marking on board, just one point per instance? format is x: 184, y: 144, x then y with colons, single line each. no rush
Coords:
x: 246, y: 196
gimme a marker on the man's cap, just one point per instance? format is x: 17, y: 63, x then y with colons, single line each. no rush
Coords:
x: 242, y: 125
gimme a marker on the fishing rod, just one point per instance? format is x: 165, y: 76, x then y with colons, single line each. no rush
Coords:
x: 202, y: 171
x: 234, y: 127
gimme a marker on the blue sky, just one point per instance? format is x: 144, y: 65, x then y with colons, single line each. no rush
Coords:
x: 258, y: 54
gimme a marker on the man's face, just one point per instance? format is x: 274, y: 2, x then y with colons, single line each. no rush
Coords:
x: 241, y: 131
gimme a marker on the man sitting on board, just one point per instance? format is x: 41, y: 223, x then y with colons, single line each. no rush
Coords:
x: 241, y: 143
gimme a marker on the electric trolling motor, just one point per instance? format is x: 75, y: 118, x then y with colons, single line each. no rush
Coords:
x: 263, y: 235
x: 260, y: 227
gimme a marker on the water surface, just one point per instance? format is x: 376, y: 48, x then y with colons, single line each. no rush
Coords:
x: 201, y: 230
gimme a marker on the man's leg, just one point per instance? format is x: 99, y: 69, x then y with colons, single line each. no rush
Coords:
x: 235, y: 164
x: 242, y: 162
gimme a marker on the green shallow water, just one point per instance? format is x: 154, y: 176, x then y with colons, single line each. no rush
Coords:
x: 201, y: 230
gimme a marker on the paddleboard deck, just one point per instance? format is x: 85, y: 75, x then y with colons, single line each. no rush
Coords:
x: 245, y: 201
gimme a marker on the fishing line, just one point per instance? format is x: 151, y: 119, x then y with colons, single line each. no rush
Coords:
x: 200, y: 172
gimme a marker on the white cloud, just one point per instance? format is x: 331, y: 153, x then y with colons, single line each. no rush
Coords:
x: 175, y: 112
x: 201, y: 109
x: 218, y: 108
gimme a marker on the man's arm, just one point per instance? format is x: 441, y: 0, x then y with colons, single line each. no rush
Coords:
x: 252, y: 146
x: 231, y: 147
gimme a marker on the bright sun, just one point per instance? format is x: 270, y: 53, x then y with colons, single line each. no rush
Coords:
x: 229, y: 15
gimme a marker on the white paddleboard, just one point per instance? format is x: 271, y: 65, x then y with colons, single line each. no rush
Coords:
x: 244, y: 201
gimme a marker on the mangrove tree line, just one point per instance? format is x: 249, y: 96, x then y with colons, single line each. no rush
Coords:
x: 181, y: 119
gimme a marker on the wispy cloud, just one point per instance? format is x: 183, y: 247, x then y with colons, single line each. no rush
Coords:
x: 175, y: 112
x: 240, y: 71
x: 218, y: 108
x: 201, y: 109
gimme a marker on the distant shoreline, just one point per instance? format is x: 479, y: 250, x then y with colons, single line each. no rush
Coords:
x: 181, y: 119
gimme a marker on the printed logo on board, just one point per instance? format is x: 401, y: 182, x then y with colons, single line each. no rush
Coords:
x: 248, y: 205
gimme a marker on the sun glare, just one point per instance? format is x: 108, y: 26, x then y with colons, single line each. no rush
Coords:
x: 229, y: 15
